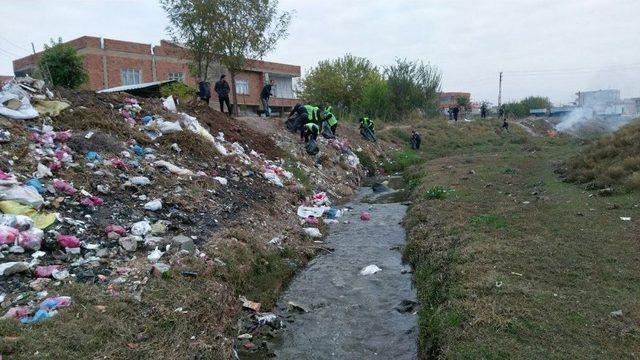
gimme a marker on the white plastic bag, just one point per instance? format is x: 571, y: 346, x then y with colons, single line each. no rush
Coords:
x: 370, y: 270
x: 312, y: 232
x: 141, y: 228
x: 170, y: 104
x: 23, y: 195
x: 153, y: 205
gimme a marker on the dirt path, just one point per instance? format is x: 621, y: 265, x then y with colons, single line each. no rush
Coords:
x: 354, y: 316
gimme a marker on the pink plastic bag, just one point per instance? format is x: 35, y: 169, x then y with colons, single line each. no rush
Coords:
x: 92, y: 201
x: 17, y: 312
x: 311, y: 220
x: 55, y: 165
x: 47, y: 271
x: 116, y: 229
x: 63, y: 136
x: 64, y: 186
x: 365, y: 216
x: 31, y: 239
x: 68, y: 241
x: 8, y: 235
x: 119, y: 164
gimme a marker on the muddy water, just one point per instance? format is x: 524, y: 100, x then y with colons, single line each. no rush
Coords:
x: 352, y: 316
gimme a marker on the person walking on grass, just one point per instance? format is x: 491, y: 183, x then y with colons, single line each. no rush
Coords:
x: 415, y: 140
x: 264, y: 98
x: 222, y: 89
x: 456, y: 111
x: 505, y: 125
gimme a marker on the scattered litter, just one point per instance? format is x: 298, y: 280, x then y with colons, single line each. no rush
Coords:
x: 248, y: 304
x: 312, y: 232
x: 370, y: 270
x: 153, y: 205
x: 221, y: 180
x: 315, y: 211
x: 365, y: 216
x: 13, y: 267
x: 141, y: 228
x: 321, y: 198
x: 174, y: 169
x: 155, y: 255
x: 68, y: 241
x: 625, y: 218
x: 617, y: 313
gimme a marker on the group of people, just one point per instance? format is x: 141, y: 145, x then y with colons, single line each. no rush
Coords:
x: 311, y: 121
x: 221, y: 88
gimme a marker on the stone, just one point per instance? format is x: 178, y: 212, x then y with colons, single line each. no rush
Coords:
x: 183, y: 243
x: 103, y: 252
x: 406, y: 306
x: 129, y: 243
x: 158, y: 269
x: 151, y: 242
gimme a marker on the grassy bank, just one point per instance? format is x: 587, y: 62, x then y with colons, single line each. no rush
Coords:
x: 511, y: 262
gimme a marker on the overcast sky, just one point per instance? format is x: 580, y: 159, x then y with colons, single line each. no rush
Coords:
x: 545, y: 47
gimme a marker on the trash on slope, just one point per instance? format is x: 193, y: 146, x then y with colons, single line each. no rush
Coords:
x: 312, y: 232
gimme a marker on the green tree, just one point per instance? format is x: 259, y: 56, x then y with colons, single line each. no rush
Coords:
x: 63, y: 64
x: 413, y: 85
x: 375, y: 101
x: 521, y: 108
x: 229, y: 31
x: 192, y: 24
x: 340, y: 82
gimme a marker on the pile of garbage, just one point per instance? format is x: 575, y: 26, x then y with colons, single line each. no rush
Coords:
x: 83, y: 204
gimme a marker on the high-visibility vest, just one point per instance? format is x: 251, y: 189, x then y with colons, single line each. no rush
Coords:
x: 312, y: 127
x: 367, y: 122
x: 312, y: 112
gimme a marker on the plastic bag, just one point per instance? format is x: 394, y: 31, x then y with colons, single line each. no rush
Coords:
x: 273, y: 178
x: 315, y: 211
x: 141, y: 228
x: 8, y: 235
x: 370, y: 270
x: 153, y: 205
x: 170, y: 104
x: 20, y: 222
x: 365, y: 216
x: 47, y: 271
x: 22, y: 194
x: 312, y: 232
x: 41, y: 220
x: 115, y: 229
x: 64, y: 187
x: 37, y: 185
x: 321, y: 198
x: 312, y: 147
x: 91, y: 201
x: 31, y: 239
x: 68, y: 241
x: 173, y: 168
x: 13, y: 91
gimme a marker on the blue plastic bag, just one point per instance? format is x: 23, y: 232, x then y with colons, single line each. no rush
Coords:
x: 139, y: 150
x: 93, y: 156
x: 147, y: 119
x: 36, y: 184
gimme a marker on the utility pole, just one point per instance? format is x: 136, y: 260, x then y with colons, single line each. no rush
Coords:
x: 500, y: 91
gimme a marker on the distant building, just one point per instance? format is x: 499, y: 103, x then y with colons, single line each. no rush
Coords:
x: 112, y: 63
x: 538, y: 112
x: 5, y: 78
x: 448, y: 99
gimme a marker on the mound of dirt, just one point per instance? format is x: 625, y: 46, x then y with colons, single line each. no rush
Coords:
x: 234, y: 131
x: 611, y: 161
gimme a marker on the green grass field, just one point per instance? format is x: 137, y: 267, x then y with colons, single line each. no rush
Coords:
x: 516, y: 263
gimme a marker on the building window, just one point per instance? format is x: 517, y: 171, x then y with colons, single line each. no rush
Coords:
x: 130, y: 76
x: 242, y: 87
x: 178, y: 76
x: 282, y: 87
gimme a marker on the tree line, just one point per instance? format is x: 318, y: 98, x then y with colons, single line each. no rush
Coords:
x: 353, y: 84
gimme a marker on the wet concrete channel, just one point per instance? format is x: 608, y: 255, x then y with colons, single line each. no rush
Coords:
x: 354, y: 316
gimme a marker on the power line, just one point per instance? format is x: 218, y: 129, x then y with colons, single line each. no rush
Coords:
x: 14, y: 44
x: 9, y: 53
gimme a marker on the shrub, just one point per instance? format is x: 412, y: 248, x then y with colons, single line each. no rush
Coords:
x: 178, y: 89
x: 437, y: 192
x: 63, y: 64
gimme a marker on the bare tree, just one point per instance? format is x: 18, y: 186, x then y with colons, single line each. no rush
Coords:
x: 229, y: 31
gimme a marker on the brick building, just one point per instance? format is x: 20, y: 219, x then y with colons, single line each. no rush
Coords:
x: 112, y: 63
x: 448, y: 99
